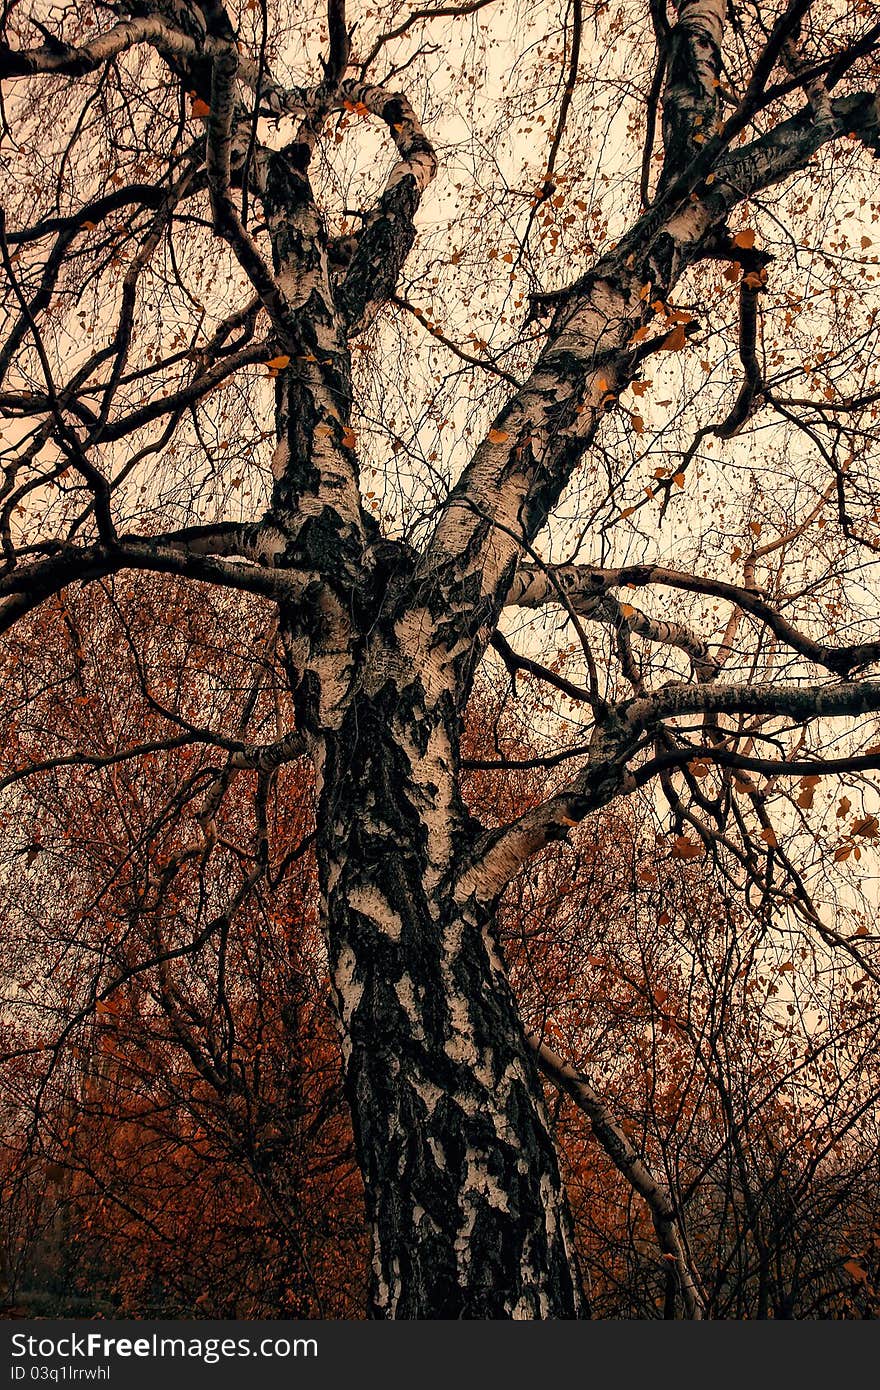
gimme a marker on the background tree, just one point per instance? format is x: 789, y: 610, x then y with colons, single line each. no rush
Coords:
x: 173, y: 1141
x: 440, y: 468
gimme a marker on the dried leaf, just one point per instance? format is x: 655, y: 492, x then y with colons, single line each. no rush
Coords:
x: 498, y: 436
x: 745, y: 238
x: 865, y: 825
x: 683, y: 848
x: 674, y: 341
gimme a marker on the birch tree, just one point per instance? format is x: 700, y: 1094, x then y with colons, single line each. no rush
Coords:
x: 192, y: 208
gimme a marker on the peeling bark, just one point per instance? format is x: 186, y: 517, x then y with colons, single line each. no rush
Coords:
x: 467, y: 1211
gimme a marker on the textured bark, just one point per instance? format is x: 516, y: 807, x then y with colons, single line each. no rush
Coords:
x: 467, y: 1211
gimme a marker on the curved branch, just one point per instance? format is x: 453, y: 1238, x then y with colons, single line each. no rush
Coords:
x: 388, y: 231
x: 628, y: 1161
x: 585, y: 583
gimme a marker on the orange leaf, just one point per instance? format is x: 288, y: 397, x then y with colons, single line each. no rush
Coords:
x: 498, y: 436
x: 277, y: 364
x: 745, y: 238
x: 683, y: 848
x: 674, y: 341
x: 201, y: 108
x: 349, y: 438
x: 769, y: 835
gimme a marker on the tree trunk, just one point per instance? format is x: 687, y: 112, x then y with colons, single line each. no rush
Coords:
x: 467, y: 1210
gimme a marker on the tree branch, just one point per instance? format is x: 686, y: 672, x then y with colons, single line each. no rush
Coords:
x: 628, y: 1161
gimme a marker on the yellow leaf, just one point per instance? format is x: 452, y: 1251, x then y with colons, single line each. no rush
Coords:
x: 745, y: 238
x: 498, y: 436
